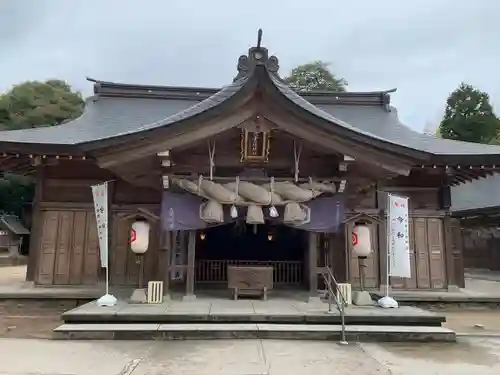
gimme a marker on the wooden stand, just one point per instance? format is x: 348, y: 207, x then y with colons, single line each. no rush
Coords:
x: 250, y: 280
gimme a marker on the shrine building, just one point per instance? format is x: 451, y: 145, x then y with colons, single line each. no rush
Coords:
x: 252, y: 173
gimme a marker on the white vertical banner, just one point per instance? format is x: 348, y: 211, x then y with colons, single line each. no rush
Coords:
x: 100, y: 194
x: 398, y: 236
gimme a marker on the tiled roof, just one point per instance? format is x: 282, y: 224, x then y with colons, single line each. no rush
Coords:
x: 13, y: 224
x: 123, y: 109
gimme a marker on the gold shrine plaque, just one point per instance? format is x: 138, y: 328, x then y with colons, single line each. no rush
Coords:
x: 254, y: 146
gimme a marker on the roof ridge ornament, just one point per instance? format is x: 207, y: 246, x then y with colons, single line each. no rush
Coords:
x: 259, y: 38
x: 257, y: 56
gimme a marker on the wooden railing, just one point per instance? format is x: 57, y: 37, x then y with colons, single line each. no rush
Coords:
x: 215, y: 271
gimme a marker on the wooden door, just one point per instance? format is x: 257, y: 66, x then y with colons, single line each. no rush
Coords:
x: 78, y: 241
x: 436, y: 250
x: 47, y: 247
x: 91, y: 259
x: 422, y: 269
x: 63, y: 248
x: 68, y: 248
x: 411, y: 282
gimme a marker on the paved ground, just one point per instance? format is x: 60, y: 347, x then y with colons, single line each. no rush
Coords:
x: 473, y: 356
x: 12, y: 275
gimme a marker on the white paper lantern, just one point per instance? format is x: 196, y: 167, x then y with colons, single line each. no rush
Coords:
x: 361, y: 241
x: 139, y: 237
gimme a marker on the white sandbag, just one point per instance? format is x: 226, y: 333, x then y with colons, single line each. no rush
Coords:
x: 277, y: 199
x: 252, y: 192
x: 294, y: 193
x: 218, y: 192
x: 255, y: 215
x: 319, y: 186
x: 187, y: 185
x: 212, y: 212
x: 294, y: 213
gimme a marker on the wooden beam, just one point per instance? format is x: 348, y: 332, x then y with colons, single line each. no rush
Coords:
x: 190, y: 264
x: 318, y: 136
x: 313, y: 264
x: 176, y: 138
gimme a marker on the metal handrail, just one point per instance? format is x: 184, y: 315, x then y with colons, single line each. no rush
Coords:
x: 330, y: 278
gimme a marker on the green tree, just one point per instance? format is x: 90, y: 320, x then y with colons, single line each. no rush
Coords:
x: 469, y: 116
x: 15, y: 191
x: 33, y: 104
x: 315, y: 76
x: 29, y: 105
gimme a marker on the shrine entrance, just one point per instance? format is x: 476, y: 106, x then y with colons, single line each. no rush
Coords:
x: 240, y: 244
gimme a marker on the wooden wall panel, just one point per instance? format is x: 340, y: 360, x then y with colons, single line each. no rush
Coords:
x: 436, y: 250
x: 372, y: 262
x: 457, y: 253
x: 126, y: 193
x: 91, y: 261
x: 119, y: 250
x: 63, y: 249
x: 411, y: 283
x: 68, y: 248
x: 422, y: 254
x: 47, y: 247
x: 78, y: 244
x: 124, y: 269
x: 427, y: 262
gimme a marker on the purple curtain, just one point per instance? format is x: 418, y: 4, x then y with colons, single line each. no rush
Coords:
x: 182, y: 212
x: 327, y: 215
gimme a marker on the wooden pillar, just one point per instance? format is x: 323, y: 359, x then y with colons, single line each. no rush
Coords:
x: 382, y: 241
x: 313, y: 265
x: 36, y: 225
x: 165, y: 254
x: 111, y: 253
x: 190, y: 265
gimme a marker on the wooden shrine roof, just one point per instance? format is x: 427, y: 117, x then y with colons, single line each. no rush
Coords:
x: 120, y: 110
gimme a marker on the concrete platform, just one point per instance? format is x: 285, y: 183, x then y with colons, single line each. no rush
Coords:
x: 278, y: 311
x: 150, y: 331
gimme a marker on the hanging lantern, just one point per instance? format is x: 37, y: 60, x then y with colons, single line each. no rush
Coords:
x: 202, y: 235
x: 234, y: 212
x: 139, y: 237
x: 270, y: 236
x: 273, y: 212
x: 361, y: 241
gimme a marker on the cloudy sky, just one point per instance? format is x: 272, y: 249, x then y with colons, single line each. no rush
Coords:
x: 422, y: 47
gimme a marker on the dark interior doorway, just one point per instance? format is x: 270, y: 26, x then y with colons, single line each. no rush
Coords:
x: 251, y: 242
x: 239, y: 243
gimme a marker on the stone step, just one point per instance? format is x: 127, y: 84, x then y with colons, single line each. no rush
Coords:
x: 151, y: 331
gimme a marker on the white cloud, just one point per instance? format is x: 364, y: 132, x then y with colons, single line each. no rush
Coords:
x: 422, y: 47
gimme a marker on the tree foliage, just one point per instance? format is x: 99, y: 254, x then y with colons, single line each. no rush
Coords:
x: 29, y: 105
x: 15, y: 191
x: 33, y: 104
x: 315, y: 76
x: 469, y: 116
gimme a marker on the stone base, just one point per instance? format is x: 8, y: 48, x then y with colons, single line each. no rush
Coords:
x: 139, y: 296
x: 188, y: 298
x: 383, y: 289
x: 316, y: 300
x: 362, y: 299
x: 453, y: 289
x: 355, y: 333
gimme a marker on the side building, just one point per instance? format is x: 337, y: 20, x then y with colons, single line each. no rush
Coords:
x: 477, y: 205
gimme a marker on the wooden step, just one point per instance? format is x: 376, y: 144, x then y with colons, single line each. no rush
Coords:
x: 151, y: 331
